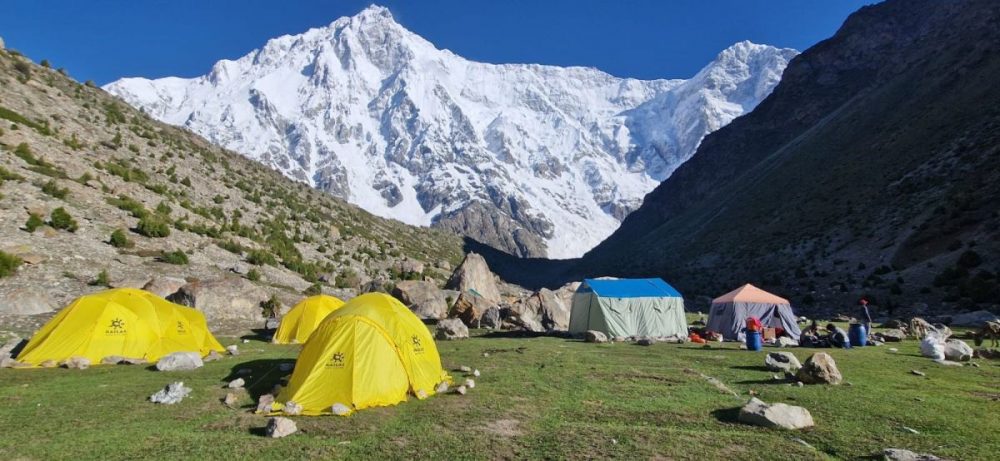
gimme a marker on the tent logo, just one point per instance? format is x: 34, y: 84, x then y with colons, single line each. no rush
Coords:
x: 416, y: 344
x: 336, y: 361
x: 117, y: 327
x: 181, y: 329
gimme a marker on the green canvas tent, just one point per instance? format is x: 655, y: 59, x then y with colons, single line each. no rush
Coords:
x: 628, y: 307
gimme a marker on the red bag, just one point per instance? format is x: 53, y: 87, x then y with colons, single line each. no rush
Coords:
x: 753, y: 324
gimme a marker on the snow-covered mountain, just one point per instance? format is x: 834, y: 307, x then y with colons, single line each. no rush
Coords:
x: 535, y: 160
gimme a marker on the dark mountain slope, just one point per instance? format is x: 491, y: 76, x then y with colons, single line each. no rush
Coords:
x: 871, y: 168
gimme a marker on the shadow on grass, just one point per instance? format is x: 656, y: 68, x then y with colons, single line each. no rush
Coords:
x: 727, y: 415
x: 750, y: 367
x: 516, y: 334
x: 263, y: 375
x: 764, y: 381
x: 259, y: 334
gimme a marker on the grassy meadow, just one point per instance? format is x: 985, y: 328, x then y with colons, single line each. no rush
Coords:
x: 537, y: 398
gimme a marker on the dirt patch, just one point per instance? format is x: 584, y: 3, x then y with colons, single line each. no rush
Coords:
x: 504, y: 427
x: 994, y: 396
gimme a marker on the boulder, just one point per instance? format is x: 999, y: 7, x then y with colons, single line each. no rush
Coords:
x: 785, y: 341
x: 820, y: 368
x: 173, y: 393
x: 231, y: 399
x: 775, y: 415
x: 593, y: 336
x: 469, y: 308
x: 292, y: 408
x: 449, y: 329
x: 26, y: 302
x: 410, y: 266
x: 893, y: 335
x: 229, y: 298
x: 894, y: 323
x: 973, y: 319
x: 490, y: 318
x: 265, y: 403
x: 524, y: 322
x: 899, y: 454
x: 77, y: 363
x: 164, y: 286
x: 554, y: 312
x: 278, y: 427
x: 180, y: 361
x: 782, y: 361
x: 474, y: 275
x: 10, y: 346
x: 423, y: 298
x: 237, y: 383
x: 957, y: 350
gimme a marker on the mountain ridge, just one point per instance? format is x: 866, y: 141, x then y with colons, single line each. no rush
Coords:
x: 531, y: 159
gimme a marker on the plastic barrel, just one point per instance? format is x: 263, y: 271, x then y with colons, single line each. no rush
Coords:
x: 753, y: 341
x: 857, y: 334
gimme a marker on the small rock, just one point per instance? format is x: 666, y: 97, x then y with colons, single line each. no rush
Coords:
x: 234, y: 349
x: 286, y: 366
x: 245, y: 341
x: 292, y: 408
x: 421, y: 394
x: 893, y: 349
x: 180, y: 361
x: 910, y: 430
x: 785, y: 341
x: 799, y: 383
x: 475, y: 372
x: 78, y: 363
x: 465, y: 369
x: 278, y: 427
x: 441, y: 388
x: 237, y: 383
x: 469, y: 383
x: 48, y: 364
x: 212, y: 356
x: 460, y: 390
x: 782, y: 361
x: 112, y: 360
x: 173, y: 393
x: 264, y: 403
x: 449, y: 329
x: 776, y: 415
x: 231, y: 399
x: 340, y: 409
x: 593, y: 336
x: 899, y: 454
x: 820, y: 368
x: 957, y: 350
x: 486, y: 354
x: 891, y: 336
x: 918, y: 373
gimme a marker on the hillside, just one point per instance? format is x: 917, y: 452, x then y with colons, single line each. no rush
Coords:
x: 146, y: 199
x: 532, y: 159
x: 872, y: 168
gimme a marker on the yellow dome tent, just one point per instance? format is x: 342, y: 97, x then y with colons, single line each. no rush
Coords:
x: 122, y: 322
x: 302, y: 320
x: 371, y: 352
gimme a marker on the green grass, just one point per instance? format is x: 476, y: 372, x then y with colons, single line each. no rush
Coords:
x: 537, y: 398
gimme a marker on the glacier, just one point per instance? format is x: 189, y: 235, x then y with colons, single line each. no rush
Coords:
x: 532, y: 159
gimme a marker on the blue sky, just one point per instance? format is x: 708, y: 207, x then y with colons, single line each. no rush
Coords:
x: 103, y: 40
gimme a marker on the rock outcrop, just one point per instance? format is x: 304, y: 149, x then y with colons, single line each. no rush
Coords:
x: 425, y: 299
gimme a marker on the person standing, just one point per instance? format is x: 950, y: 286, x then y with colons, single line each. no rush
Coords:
x: 866, y: 317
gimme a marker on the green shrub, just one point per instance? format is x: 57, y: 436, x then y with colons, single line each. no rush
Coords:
x: 8, y: 264
x: 33, y: 223
x: 230, y: 246
x: 101, y: 280
x: 153, y: 226
x: 45, y: 63
x: 314, y: 289
x: 130, y: 205
x: 24, y: 69
x: 177, y: 257
x: 970, y: 259
x: 60, y: 219
x: 186, y: 181
x: 253, y: 275
x: 164, y: 209
x: 271, y: 307
x: 261, y: 257
x: 120, y: 240
x: 52, y: 188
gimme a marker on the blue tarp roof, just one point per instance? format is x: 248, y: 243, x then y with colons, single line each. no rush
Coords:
x: 630, y: 288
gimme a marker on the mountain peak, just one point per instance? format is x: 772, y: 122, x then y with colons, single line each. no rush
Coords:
x: 375, y: 13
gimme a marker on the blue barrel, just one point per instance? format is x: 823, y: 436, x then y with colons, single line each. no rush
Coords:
x: 857, y: 334
x: 753, y: 341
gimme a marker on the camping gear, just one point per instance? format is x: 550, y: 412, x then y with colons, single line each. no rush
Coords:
x: 628, y: 307
x: 857, y: 334
x: 932, y: 346
x: 753, y: 324
x: 370, y: 352
x: 753, y: 341
x: 303, y: 318
x: 729, y: 311
x: 124, y: 322
x: 769, y: 334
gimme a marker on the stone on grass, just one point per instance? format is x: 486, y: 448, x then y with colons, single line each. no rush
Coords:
x: 820, y: 368
x: 782, y: 361
x: 173, y: 393
x: 461, y: 390
x: 292, y: 408
x: 593, y: 336
x: 212, y: 356
x: 78, y: 363
x: 785, y: 341
x: 234, y: 349
x: 180, y: 361
x: 465, y: 369
x: 469, y: 383
x: 957, y: 350
x: 475, y: 372
x: 264, y: 403
x: 237, y: 383
x: 918, y: 373
x: 340, y: 409
x: 441, y: 388
x: 48, y: 364
x: 899, y: 454
x: 894, y: 335
x: 278, y: 427
x: 231, y: 399
x: 449, y: 329
x: 490, y: 318
x: 775, y: 415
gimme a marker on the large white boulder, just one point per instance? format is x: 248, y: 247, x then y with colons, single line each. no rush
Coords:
x: 775, y: 415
